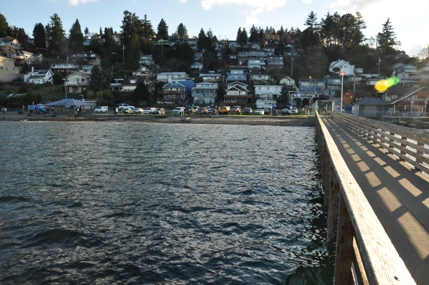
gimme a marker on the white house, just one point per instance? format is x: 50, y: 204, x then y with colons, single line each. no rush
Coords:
x: 40, y: 76
x: 172, y: 76
x: 205, y: 92
x: 336, y: 66
x: 197, y: 65
x: 268, y: 92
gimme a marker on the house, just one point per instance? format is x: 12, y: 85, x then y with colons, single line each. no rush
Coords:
x: 205, y: 93
x: 369, y: 107
x: 176, y: 92
x: 211, y: 77
x: 89, y: 58
x: 233, y: 45
x: 198, y: 56
x: 260, y: 77
x: 334, y: 84
x: 76, y: 82
x: 146, y: 59
x: 40, y: 76
x: 172, y: 76
x: 144, y: 71
x: 129, y: 84
x: 237, y: 93
x: 11, y: 47
x: 336, y: 66
x: 268, y: 92
x: 197, y: 65
x: 236, y: 75
x: 8, y: 71
x: 288, y: 81
x: 64, y: 67
x: 275, y: 62
x: 415, y: 101
x: 255, y: 64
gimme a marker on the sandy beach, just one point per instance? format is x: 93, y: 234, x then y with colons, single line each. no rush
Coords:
x: 214, y: 119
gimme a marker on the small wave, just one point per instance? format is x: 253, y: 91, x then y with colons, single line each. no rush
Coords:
x: 6, y: 199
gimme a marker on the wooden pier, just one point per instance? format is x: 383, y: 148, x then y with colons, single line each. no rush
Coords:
x: 376, y: 183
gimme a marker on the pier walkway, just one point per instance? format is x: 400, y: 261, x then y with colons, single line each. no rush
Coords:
x: 397, y: 191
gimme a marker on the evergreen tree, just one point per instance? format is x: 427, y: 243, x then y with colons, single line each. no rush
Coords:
x: 242, y: 36
x: 253, y: 38
x: 181, y: 31
x: 96, y: 44
x: 56, y: 35
x: 162, y: 30
x: 39, y: 35
x: 141, y: 93
x: 310, y: 36
x: 76, y: 38
x: 148, y: 32
x: 350, y: 30
x: 132, y: 59
x: 202, y: 40
x: 131, y: 25
x: 387, y: 38
x: 96, y: 82
x: 86, y: 31
x: 4, y: 27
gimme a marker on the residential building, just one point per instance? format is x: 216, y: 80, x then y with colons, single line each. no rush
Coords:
x: 172, y: 76
x: 275, y: 62
x: 129, y: 84
x: 334, y: 84
x: 211, y: 77
x: 288, y: 81
x: 237, y: 93
x: 336, y: 66
x: 8, y: 71
x: 236, y: 75
x: 255, y: 64
x: 146, y: 59
x: 40, y: 76
x: 76, y: 82
x: 205, y: 93
x: 197, y: 65
x: 268, y: 92
x: 260, y: 78
x: 144, y: 71
x: 176, y: 92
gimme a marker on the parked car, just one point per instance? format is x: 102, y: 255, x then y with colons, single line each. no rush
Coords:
x: 235, y: 111
x: 101, y: 109
x: 247, y: 111
x: 178, y: 111
x: 128, y: 110
x: 290, y: 111
x: 259, y: 112
x: 137, y: 110
x: 122, y: 107
x: 159, y: 111
x: 148, y: 110
x: 203, y: 111
x: 211, y: 110
x: 224, y: 109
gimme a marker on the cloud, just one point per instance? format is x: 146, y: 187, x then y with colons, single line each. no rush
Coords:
x: 257, y: 5
x: 78, y: 2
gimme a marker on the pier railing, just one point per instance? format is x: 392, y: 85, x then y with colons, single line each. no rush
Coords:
x: 409, y: 145
x: 364, y: 252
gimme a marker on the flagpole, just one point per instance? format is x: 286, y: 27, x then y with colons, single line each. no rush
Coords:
x: 342, y: 88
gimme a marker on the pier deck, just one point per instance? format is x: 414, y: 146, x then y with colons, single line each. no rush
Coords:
x: 398, y: 193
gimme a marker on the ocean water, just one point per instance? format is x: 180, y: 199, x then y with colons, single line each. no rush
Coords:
x: 138, y: 203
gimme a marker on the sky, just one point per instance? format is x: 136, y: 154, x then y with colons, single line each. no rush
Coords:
x: 409, y: 19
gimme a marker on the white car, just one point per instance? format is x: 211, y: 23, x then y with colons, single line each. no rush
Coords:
x: 178, y: 111
x: 123, y: 107
x: 148, y: 110
x: 137, y: 111
x: 101, y: 109
x: 259, y: 112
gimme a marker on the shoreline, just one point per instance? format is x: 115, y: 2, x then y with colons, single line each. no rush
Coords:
x: 214, y: 119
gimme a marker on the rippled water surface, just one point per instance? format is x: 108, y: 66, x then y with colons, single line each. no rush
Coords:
x: 133, y: 203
